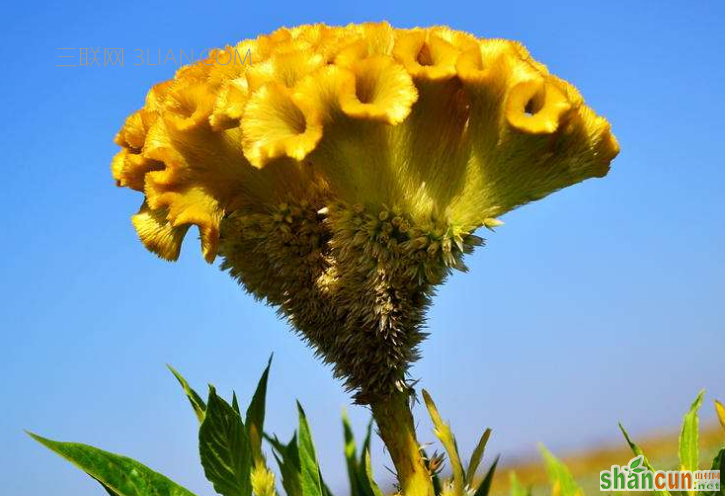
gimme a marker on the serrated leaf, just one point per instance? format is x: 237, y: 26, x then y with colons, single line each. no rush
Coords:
x: 559, y: 473
x: 445, y: 435
x: 255, y: 415
x: 226, y: 455
x: 638, y: 452
x: 309, y: 468
x: 720, y: 409
x: 477, y: 455
x: 120, y: 475
x: 196, y: 402
x: 485, y: 487
x: 689, y: 436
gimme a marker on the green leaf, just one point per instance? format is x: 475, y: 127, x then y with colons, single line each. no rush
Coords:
x: 309, y: 468
x: 638, y: 452
x: 288, y: 459
x: 437, y: 486
x: 559, y: 472
x: 721, y: 468
x: 325, y: 488
x: 110, y: 491
x: 485, y: 487
x: 367, y: 486
x: 477, y: 455
x: 121, y: 476
x: 224, y: 448
x: 636, y: 462
x: 351, y: 456
x: 718, y: 463
x: 445, y: 435
x: 369, y: 478
x: 516, y: 488
x: 276, y: 443
x: 368, y: 435
x: 255, y: 415
x: 196, y: 402
x: 689, y: 436
x: 349, y: 437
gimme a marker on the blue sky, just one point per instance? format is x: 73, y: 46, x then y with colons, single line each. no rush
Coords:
x: 601, y: 303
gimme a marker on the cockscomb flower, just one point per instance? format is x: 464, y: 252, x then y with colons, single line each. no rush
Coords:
x: 340, y: 173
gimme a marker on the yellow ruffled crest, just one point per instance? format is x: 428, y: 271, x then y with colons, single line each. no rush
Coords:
x: 426, y: 54
x: 287, y: 68
x: 133, y: 132
x: 189, y: 104
x: 156, y: 96
x: 434, y: 121
x: 380, y: 89
x: 482, y: 65
x: 536, y: 107
x: 277, y: 123
x: 202, y: 171
x: 157, y: 233
x: 373, y: 39
x: 229, y: 104
x: 231, y: 62
x: 129, y: 169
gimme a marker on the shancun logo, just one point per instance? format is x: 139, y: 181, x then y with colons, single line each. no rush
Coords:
x: 637, y: 477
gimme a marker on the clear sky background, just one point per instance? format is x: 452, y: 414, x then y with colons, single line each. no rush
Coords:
x: 601, y: 303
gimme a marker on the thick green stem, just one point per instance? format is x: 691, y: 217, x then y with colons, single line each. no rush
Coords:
x: 395, y: 423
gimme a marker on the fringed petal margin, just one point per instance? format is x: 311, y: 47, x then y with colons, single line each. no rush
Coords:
x: 536, y: 106
x: 277, y: 124
x: 157, y: 234
x: 380, y: 90
x: 426, y: 55
x: 229, y: 105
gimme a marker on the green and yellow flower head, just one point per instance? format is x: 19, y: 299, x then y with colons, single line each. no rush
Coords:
x: 341, y: 172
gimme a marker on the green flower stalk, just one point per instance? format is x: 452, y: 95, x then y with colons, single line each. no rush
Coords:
x: 397, y: 430
x: 341, y: 173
